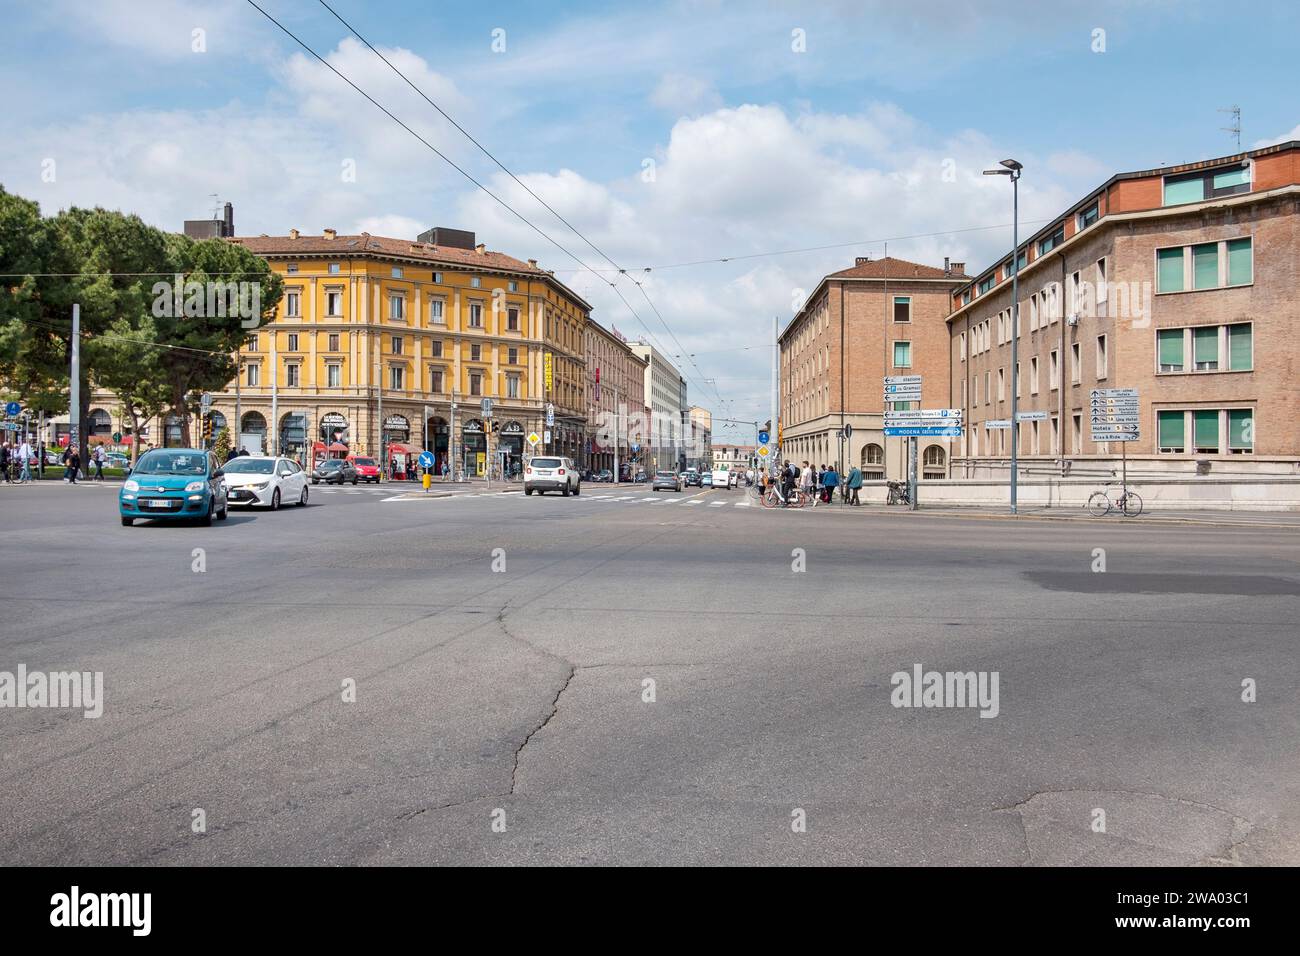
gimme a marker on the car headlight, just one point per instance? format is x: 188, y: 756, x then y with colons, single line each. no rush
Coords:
x: 261, y: 485
x: 196, y: 486
x: 131, y: 485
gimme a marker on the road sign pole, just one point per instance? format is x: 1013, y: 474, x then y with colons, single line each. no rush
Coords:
x: 1015, y: 329
x: 911, y: 473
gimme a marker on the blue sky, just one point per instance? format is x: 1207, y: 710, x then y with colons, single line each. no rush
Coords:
x: 756, y: 146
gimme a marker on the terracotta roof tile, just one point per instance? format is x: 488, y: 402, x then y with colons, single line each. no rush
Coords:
x: 893, y: 269
x: 344, y: 246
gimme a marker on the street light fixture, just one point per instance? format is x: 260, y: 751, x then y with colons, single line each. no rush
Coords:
x: 1012, y: 168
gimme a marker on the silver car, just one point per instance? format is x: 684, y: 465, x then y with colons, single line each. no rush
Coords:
x: 666, y: 481
x: 551, y: 473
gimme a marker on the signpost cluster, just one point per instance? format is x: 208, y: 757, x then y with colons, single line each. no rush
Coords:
x: 1114, y: 416
x: 914, y: 423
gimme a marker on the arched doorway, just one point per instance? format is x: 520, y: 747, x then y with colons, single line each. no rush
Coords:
x: 510, y: 447
x: 474, y: 448
x: 437, y: 439
x: 252, y: 433
x: 873, y: 462
x: 293, y: 436
x: 333, y: 428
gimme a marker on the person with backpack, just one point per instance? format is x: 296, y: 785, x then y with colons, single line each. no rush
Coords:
x: 71, y: 464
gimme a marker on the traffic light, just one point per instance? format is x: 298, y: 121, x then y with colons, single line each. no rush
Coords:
x: 207, y: 429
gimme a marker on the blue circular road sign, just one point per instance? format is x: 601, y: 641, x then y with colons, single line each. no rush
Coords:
x: 763, y: 437
x: 426, y: 460
x: 13, y: 408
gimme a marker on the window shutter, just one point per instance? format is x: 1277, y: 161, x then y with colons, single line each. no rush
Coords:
x: 1171, y: 428
x: 1240, y: 421
x: 1171, y: 347
x: 1206, y: 423
x: 1239, y: 346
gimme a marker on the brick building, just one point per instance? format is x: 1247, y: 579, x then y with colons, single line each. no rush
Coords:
x: 616, y: 395
x: 1179, y: 282
x: 880, y: 317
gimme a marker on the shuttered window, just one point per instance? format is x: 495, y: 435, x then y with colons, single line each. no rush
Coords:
x: 1240, y: 347
x: 1205, y: 426
x: 1171, y: 427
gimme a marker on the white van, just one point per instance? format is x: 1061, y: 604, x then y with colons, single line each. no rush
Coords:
x: 720, y: 476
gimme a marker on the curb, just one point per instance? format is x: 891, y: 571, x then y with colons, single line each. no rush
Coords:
x: 1141, y: 519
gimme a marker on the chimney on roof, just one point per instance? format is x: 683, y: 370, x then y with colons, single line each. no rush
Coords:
x: 533, y: 263
x: 228, y: 215
x: 862, y: 260
x: 449, y: 238
x: 959, y: 268
x: 331, y: 234
x: 480, y: 249
x: 947, y: 266
x: 293, y: 233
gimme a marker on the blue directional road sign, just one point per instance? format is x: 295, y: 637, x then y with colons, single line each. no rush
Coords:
x: 426, y: 459
x: 937, y: 431
x: 763, y: 437
x: 12, y: 409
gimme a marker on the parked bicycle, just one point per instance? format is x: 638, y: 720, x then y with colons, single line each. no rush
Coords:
x: 1101, y: 503
x: 775, y: 499
x: 898, y: 494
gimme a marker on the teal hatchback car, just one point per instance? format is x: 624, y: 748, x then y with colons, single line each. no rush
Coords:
x: 175, y: 483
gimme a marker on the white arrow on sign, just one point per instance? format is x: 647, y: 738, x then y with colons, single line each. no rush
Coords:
x: 903, y: 380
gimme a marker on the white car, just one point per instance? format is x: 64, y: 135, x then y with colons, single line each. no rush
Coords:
x: 260, y: 480
x: 720, y: 478
x: 551, y: 473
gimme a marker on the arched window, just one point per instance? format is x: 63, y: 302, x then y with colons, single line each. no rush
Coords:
x: 873, y: 462
x: 100, y: 422
x: 253, y: 422
x: 934, y: 462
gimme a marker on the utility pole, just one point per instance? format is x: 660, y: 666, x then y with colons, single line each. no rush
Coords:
x: 74, y: 399
x: 1013, y: 169
x: 776, y: 422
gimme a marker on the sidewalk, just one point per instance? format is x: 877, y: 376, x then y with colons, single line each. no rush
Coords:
x: 1243, y: 519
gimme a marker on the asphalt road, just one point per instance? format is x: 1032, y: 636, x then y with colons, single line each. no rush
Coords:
x: 501, y: 716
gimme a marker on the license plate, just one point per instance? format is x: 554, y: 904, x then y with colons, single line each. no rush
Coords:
x: 157, y: 504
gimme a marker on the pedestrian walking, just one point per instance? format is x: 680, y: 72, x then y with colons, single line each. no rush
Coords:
x: 71, y: 464
x: 854, y: 484
x: 4, y: 460
x: 98, y: 457
x: 25, y: 456
x: 830, y: 481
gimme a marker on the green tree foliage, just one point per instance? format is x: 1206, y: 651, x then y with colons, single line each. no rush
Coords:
x: 160, y: 318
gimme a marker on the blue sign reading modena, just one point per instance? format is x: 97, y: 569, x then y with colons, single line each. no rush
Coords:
x: 426, y: 460
x: 950, y: 431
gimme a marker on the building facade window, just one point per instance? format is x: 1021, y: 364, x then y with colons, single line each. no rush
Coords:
x: 293, y: 304
x: 333, y: 268
x: 476, y: 353
x: 1213, y: 348
x: 475, y: 383
x: 292, y: 342
x: 1205, y: 265
x: 333, y: 342
x: 334, y: 304
x: 396, y: 306
x: 512, y: 320
x: 1088, y: 215
x: 435, y: 380
x: 396, y: 377
x: 435, y: 348
x: 437, y: 312
x: 1207, y: 184
x: 253, y: 375
x: 512, y: 386
x: 333, y: 375
x: 291, y: 376
x: 475, y: 316
x: 396, y: 345
x: 902, y: 355
x: 1052, y: 240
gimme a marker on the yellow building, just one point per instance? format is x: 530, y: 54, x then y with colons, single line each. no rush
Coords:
x: 413, y: 336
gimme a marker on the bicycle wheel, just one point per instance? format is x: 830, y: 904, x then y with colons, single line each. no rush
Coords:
x: 1098, y: 504
x: 797, y: 499
x: 1132, y: 504
x: 770, y: 500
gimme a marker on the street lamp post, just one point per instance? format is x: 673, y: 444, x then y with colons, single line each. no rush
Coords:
x: 1013, y: 169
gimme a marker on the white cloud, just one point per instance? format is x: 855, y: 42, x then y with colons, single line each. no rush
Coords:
x: 1284, y: 138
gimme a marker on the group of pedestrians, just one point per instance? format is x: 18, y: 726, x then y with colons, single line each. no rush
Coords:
x: 817, y: 485
x: 16, y: 461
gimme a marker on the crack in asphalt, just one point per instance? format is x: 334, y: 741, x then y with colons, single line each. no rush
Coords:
x: 554, y: 709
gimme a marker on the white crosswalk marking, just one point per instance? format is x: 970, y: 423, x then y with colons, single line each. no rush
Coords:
x: 716, y: 504
x: 695, y: 502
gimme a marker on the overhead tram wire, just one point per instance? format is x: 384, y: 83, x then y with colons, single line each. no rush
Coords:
x: 488, y: 153
x: 437, y: 152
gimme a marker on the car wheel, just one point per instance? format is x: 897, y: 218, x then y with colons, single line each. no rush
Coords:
x: 225, y: 511
x: 354, y: 482
x: 527, y: 492
x: 275, y: 500
x: 302, y: 499
x: 578, y: 490
x: 565, y: 490
x: 127, y: 522
x: 207, y: 518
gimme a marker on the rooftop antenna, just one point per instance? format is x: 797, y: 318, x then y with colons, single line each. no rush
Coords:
x: 1235, y: 128
x: 216, y: 205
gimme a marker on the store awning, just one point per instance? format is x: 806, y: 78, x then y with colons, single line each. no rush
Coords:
x: 398, y: 449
